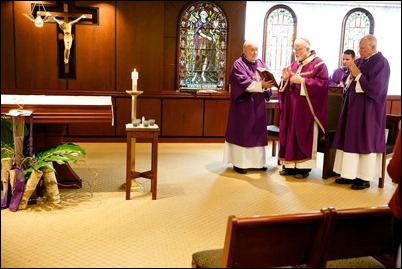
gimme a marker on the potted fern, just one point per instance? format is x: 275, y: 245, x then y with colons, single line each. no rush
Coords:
x: 28, y: 171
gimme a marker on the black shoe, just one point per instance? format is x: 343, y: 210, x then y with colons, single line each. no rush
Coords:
x: 300, y: 175
x: 342, y: 180
x: 264, y: 168
x: 360, y: 184
x: 239, y: 170
x: 287, y: 172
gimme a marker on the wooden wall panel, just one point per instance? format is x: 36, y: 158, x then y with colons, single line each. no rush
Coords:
x: 182, y: 117
x: 95, y: 50
x: 140, y: 44
x: 90, y: 129
x: 216, y: 114
x: 7, y: 45
x: 396, y: 107
x: 235, y: 11
x: 394, y: 104
x: 172, y: 11
x: 123, y: 115
x: 150, y: 108
x: 169, y: 64
x: 36, y: 52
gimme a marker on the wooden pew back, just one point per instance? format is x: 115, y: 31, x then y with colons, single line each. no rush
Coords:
x: 296, y: 239
x: 359, y: 232
x: 275, y: 240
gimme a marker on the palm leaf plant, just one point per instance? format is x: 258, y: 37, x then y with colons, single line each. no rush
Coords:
x: 61, y: 154
x: 32, y: 167
x: 41, y: 163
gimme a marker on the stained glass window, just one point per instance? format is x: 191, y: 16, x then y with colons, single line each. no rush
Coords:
x: 279, y: 35
x: 202, y: 48
x: 357, y: 23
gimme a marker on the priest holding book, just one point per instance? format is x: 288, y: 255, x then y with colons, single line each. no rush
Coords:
x: 246, y: 132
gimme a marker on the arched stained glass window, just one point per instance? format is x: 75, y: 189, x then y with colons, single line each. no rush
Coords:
x: 202, y: 47
x: 357, y: 23
x: 279, y: 34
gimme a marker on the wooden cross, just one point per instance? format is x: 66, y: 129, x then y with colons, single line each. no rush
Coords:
x: 67, y: 13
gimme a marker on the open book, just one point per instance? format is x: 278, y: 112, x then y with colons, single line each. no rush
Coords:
x: 266, y: 75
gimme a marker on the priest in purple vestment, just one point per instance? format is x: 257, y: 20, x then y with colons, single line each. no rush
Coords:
x: 360, y: 135
x: 246, y: 132
x: 340, y: 75
x: 303, y: 97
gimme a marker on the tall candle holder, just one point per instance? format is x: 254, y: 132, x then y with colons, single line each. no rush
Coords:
x: 134, y: 93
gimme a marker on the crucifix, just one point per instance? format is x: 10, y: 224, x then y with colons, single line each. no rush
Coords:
x: 66, y: 15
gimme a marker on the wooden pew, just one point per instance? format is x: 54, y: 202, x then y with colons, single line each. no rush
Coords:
x: 269, y: 241
x: 303, y: 239
x: 359, y: 232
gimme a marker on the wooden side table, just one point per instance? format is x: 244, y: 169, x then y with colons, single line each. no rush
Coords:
x: 274, y: 106
x: 148, y: 133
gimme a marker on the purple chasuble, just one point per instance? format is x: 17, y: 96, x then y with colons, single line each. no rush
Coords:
x: 298, y: 113
x: 361, y: 126
x: 340, y: 74
x: 247, y: 122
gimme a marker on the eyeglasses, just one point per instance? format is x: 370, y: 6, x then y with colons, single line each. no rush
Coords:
x: 299, y: 49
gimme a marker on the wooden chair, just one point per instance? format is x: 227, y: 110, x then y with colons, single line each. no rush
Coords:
x: 273, y: 127
x: 335, y: 100
x: 392, y: 125
x: 269, y: 241
x: 359, y: 232
x: 273, y: 135
x: 324, y: 145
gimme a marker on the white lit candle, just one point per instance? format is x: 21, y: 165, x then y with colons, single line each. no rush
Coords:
x: 134, y: 78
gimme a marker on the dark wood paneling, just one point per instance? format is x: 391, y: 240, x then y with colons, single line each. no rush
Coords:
x: 215, y: 117
x: 123, y: 115
x: 235, y: 11
x: 90, y: 129
x: 36, y: 52
x: 149, y: 108
x: 182, y: 117
x: 396, y: 108
x: 140, y: 44
x: 7, y: 45
x: 95, y: 50
x: 394, y: 104
x: 169, y: 64
x: 388, y: 106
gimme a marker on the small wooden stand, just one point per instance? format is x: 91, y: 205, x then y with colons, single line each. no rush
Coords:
x: 149, y: 133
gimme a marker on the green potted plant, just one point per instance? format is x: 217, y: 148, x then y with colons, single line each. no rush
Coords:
x: 31, y: 169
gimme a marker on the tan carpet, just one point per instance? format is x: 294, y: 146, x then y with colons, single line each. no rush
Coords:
x: 97, y: 227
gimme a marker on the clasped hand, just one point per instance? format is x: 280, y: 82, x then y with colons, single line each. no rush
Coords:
x: 354, y: 70
x: 296, y: 79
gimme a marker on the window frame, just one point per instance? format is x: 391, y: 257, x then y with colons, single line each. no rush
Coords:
x: 276, y: 69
